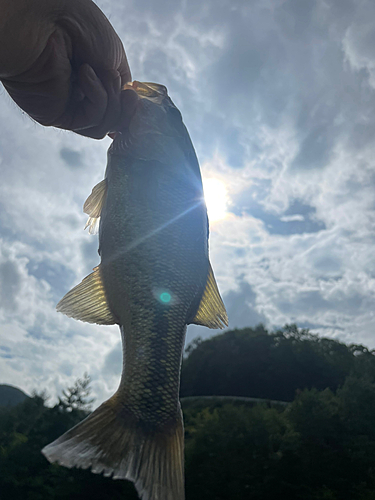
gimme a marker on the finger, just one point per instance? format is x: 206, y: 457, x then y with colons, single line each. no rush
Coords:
x: 87, y: 102
x: 90, y: 110
x: 129, y: 102
x: 124, y: 69
x: 111, y: 82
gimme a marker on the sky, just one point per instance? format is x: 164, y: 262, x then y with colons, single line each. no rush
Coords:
x: 279, y: 100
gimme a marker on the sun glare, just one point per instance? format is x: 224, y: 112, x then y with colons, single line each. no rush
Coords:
x: 215, y: 194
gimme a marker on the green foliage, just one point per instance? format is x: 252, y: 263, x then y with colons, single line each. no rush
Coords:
x: 10, y: 396
x: 321, y: 446
x: 76, y: 397
x: 27, y: 475
x: 236, y: 452
x: 256, y: 363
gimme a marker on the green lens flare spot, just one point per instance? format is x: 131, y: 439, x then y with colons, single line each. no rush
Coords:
x: 165, y: 297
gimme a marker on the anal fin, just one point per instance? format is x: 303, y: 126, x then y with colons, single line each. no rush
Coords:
x: 87, y: 301
x: 211, y: 311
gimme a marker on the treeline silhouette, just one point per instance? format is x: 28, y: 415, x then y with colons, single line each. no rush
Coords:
x: 255, y: 363
x: 319, y: 446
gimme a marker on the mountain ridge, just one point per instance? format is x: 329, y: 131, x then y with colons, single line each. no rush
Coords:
x: 11, y: 395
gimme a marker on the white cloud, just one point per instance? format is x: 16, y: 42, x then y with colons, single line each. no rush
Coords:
x: 278, y: 97
x: 358, y: 45
x: 292, y: 218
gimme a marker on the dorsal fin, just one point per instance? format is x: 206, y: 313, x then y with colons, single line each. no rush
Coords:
x: 94, y: 204
x: 87, y: 301
x: 211, y: 311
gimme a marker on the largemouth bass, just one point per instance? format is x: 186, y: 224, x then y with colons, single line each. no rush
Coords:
x: 154, y: 279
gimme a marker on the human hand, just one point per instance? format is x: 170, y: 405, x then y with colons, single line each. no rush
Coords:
x: 62, y: 62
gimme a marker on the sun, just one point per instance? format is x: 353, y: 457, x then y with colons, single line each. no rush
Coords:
x: 215, y: 195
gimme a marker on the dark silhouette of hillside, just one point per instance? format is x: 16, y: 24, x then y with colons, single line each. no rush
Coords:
x: 319, y: 446
x: 11, y: 396
x: 256, y: 363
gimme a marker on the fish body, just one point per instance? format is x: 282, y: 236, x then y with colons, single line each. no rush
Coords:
x: 154, y: 278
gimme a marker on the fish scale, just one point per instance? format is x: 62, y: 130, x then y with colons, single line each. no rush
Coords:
x: 154, y: 278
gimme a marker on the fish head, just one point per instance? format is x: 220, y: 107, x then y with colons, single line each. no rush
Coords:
x: 155, y: 116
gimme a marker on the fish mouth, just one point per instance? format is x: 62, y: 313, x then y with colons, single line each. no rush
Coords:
x: 130, y: 85
x: 144, y: 90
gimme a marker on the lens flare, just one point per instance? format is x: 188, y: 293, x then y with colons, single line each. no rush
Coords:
x: 165, y: 297
x: 215, y: 194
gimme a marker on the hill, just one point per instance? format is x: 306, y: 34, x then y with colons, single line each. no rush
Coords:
x: 252, y: 362
x: 11, y: 396
x: 319, y: 446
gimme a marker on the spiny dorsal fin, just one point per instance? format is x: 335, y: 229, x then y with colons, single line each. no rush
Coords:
x: 94, y: 204
x: 211, y: 311
x: 87, y: 301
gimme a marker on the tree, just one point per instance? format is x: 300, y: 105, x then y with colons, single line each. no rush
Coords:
x: 235, y: 452
x: 255, y: 363
x: 27, y: 475
x: 76, y: 397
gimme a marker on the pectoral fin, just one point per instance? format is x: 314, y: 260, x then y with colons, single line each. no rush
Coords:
x: 94, y: 204
x: 211, y: 311
x: 87, y: 301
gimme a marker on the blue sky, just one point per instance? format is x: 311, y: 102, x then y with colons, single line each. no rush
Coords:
x: 279, y: 99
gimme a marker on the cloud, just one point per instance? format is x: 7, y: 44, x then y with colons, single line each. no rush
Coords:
x: 113, y: 361
x: 242, y: 308
x: 10, y: 281
x: 278, y: 97
x: 72, y: 158
x: 358, y: 43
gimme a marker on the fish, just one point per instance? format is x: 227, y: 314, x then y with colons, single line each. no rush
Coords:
x: 154, y: 278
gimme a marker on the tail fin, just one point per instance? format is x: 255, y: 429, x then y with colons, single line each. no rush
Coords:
x: 109, y: 443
